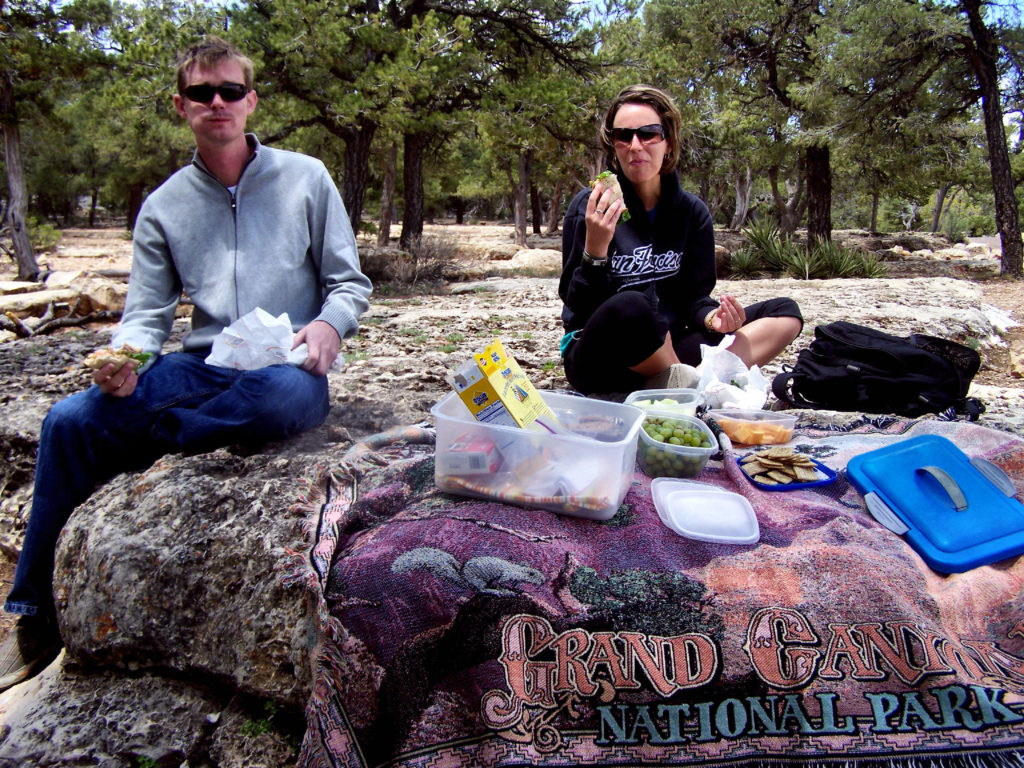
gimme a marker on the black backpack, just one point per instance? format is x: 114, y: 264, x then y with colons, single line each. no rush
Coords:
x: 849, y: 367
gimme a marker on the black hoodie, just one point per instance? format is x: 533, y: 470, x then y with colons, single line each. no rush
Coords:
x: 670, y: 260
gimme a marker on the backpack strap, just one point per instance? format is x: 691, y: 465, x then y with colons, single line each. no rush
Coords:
x: 972, y: 407
x: 781, y: 389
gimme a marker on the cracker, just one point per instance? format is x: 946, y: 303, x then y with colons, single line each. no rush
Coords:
x: 805, y: 475
x: 779, y: 465
x: 754, y: 468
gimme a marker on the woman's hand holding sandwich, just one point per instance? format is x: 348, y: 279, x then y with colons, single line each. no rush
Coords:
x: 603, y: 210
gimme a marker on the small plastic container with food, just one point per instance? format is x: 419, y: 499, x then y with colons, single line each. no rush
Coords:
x: 672, y: 400
x: 751, y: 427
x: 674, y: 445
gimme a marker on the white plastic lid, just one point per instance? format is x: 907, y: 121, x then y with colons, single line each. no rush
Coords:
x: 705, y: 512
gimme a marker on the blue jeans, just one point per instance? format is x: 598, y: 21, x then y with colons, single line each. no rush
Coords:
x: 180, y: 404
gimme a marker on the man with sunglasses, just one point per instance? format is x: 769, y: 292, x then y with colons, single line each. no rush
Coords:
x: 243, y: 226
x: 636, y: 290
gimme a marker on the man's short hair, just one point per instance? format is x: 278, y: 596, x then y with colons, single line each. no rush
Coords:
x: 208, y: 54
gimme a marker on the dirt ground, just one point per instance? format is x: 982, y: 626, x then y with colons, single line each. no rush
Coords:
x: 109, y: 250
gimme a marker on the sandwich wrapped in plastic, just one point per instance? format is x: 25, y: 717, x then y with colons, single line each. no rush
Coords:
x: 257, y: 340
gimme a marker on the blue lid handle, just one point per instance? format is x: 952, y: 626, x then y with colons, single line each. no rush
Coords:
x: 948, y: 484
x: 884, y: 514
x: 995, y: 475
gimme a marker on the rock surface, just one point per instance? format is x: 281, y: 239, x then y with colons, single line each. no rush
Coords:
x: 178, y: 568
x: 183, y: 644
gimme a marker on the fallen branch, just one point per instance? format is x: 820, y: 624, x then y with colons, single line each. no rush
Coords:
x: 19, y: 326
x: 49, y: 320
x: 72, y: 319
x: 7, y: 325
x: 48, y: 315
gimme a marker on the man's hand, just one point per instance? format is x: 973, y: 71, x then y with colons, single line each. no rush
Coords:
x: 119, y: 382
x: 323, y: 343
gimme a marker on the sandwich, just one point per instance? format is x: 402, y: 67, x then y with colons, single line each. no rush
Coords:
x: 126, y: 353
x: 610, y: 181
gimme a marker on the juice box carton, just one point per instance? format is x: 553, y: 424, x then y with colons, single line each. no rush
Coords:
x: 496, y: 391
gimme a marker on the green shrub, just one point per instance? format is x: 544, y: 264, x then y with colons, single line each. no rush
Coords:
x: 762, y: 234
x: 980, y: 224
x: 837, y: 261
x: 43, y: 235
x: 746, y: 262
x: 776, y: 251
x: 804, y: 263
x: 870, y: 266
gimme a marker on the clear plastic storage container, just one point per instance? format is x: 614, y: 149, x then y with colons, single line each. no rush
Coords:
x: 663, y: 459
x: 750, y: 427
x: 584, y: 470
x: 676, y: 400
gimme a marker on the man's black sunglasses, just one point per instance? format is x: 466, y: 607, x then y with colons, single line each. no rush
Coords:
x: 648, y: 134
x: 204, y: 93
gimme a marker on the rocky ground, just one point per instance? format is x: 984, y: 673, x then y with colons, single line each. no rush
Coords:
x: 395, y: 367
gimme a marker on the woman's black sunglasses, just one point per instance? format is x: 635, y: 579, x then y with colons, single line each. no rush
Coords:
x: 648, y: 134
x: 203, y: 94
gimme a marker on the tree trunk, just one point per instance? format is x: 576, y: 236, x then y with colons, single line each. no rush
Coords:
x: 744, y: 187
x: 875, y: 197
x: 387, y: 195
x: 940, y: 200
x: 136, y: 194
x: 460, y: 207
x: 17, y: 208
x: 522, y: 194
x: 554, y: 210
x: 819, y: 193
x: 415, y: 145
x: 984, y: 55
x: 358, y: 139
x: 789, y: 208
x: 535, y: 209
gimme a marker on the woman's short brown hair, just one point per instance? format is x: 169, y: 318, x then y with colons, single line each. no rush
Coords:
x: 208, y: 54
x: 660, y: 102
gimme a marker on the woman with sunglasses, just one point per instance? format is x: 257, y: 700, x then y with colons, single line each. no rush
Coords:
x: 636, y: 290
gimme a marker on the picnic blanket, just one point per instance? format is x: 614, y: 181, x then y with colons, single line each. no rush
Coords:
x: 459, y: 632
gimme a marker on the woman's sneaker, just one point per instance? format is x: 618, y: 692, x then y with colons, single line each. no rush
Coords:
x: 677, y: 376
x: 33, y: 643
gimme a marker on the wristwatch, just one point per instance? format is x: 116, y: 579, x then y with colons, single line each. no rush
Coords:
x: 597, y: 261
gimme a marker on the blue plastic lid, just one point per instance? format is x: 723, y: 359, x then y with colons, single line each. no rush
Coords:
x: 952, y: 528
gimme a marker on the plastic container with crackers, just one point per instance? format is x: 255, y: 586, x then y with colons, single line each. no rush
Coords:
x: 784, y: 469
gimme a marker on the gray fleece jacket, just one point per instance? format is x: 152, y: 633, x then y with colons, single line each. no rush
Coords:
x: 282, y: 242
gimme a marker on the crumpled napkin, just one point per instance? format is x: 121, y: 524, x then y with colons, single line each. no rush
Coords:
x: 727, y: 382
x: 257, y: 340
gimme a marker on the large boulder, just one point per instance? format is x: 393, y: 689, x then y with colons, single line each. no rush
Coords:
x: 179, y: 567
x: 186, y: 623
x: 69, y: 716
